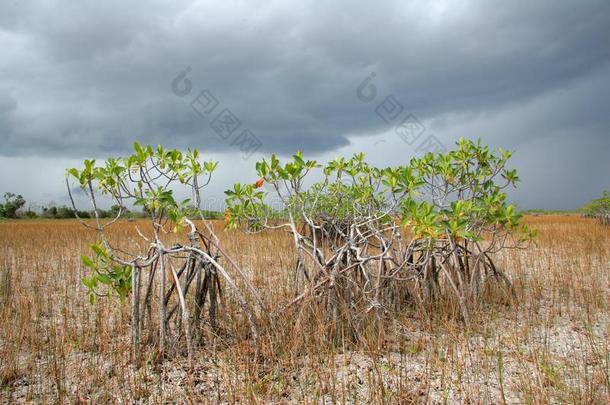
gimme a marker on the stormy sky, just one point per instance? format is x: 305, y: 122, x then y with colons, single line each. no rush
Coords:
x: 241, y: 79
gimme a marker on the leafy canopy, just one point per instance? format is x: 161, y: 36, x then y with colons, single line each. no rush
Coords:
x: 458, y: 194
x: 145, y: 178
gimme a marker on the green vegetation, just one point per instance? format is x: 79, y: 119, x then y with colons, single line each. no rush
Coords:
x: 65, y: 212
x: 539, y: 211
x: 149, y: 178
x: 353, y: 260
x: 348, y: 227
x: 12, y: 203
x: 599, y: 208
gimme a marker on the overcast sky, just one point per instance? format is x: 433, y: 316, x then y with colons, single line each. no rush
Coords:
x: 82, y: 79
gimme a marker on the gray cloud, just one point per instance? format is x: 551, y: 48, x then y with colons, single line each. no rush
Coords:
x: 87, y: 78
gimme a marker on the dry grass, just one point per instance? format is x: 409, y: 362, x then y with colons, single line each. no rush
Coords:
x: 552, y: 346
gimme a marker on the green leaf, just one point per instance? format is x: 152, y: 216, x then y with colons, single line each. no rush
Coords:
x: 74, y: 172
x: 87, y: 261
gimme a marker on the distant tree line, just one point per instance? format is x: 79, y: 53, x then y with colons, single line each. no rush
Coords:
x: 13, y: 204
x: 63, y: 211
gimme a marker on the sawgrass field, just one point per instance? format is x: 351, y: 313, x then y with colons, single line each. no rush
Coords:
x: 549, y: 344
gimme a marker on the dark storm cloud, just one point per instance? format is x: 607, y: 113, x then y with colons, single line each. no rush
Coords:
x: 89, y: 77
x: 92, y: 76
